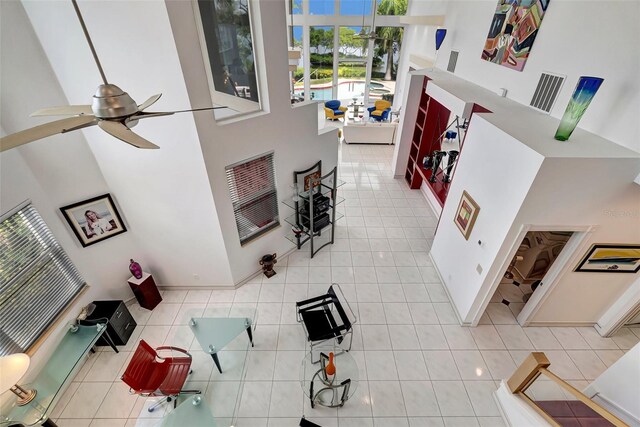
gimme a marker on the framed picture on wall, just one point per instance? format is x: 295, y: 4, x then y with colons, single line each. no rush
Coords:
x: 94, y: 220
x: 603, y: 258
x: 466, y: 214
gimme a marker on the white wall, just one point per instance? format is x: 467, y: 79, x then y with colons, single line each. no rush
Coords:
x: 291, y: 132
x: 164, y: 193
x: 54, y: 172
x: 593, y: 192
x: 590, y: 38
x: 497, y: 171
x: 619, y: 385
x: 417, y: 40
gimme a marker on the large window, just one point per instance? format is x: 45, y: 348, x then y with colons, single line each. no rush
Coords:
x: 252, y: 186
x: 357, y: 64
x: 37, y: 279
x: 225, y: 26
x: 321, y: 41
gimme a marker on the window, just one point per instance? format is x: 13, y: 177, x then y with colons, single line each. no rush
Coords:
x: 225, y: 29
x: 252, y: 186
x: 37, y: 279
x: 321, y: 59
x: 355, y: 7
x: 321, y: 7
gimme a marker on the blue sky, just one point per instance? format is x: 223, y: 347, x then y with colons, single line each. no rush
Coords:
x: 347, y: 7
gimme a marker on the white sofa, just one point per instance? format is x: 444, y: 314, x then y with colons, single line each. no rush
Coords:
x: 369, y: 133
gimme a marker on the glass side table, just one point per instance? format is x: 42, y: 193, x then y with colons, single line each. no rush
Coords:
x: 319, y: 389
x: 193, y: 412
x: 49, y: 383
x: 214, y: 333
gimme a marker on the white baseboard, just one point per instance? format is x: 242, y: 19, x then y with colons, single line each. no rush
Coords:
x: 561, y: 324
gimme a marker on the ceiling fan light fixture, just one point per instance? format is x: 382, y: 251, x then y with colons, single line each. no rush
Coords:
x: 111, y: 102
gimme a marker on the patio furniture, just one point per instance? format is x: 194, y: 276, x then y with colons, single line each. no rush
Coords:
x: 333, y: 110
x: 380, y: 110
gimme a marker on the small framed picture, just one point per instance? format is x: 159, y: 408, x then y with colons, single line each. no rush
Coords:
x: 603, y: 258
x: 94, y: 220
x: 309, y: 178
x: 466, y: 214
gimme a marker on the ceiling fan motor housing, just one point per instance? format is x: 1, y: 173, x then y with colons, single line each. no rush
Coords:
x: 111, y: 102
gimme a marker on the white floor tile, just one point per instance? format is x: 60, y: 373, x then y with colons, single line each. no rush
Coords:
x: 452, y: 398
x: 419, y: 399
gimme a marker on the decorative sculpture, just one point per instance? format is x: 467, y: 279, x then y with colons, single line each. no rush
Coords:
x: 267, y: 262
x: 451, y: 161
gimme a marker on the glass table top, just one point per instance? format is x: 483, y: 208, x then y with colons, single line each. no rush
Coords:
x: 346, y: 369
x: 214, y: 333
x: 193, y: 412
x: 64, y: 361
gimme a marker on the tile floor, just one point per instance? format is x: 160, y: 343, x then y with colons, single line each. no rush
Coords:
x: 418, y: 366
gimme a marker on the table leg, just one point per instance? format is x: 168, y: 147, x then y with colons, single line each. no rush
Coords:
x: 49, y: 423
x: 109, y: 341
x: 250, y: 335
x: 216, y: 361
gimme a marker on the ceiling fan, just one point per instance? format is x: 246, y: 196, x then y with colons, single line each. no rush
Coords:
x: 112, y: 109
x: 369, y: 35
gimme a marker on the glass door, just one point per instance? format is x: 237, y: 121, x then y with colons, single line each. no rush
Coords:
x: 352, y: 69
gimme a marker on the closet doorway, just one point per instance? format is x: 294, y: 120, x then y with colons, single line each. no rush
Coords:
x: 525, y: 274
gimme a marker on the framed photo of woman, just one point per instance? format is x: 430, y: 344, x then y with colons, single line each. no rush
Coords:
x: 94, y: 220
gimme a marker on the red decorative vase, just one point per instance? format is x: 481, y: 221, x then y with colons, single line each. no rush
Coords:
x: 135, y: 269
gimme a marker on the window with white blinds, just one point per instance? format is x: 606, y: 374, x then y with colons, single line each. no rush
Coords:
x: 252, y: 186
x: 37, y: 279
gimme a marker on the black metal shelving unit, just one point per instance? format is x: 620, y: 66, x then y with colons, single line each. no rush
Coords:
x: 314, y: 203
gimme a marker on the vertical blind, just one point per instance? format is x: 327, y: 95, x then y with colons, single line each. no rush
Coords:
x: 252, y: 188
x: 37, y: 279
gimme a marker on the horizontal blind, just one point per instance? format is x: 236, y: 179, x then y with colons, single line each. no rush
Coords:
x: 253, y: 193
x: 37, y: 280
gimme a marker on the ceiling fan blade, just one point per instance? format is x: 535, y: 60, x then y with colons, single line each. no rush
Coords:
x: 65, y: 110
x: 47, y: 129
x: 149, y: 102
x: 143, y: 115
x: 125, y: 134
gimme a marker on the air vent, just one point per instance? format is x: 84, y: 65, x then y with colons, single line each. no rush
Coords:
x: 453, y: 60
x: 547, y: 91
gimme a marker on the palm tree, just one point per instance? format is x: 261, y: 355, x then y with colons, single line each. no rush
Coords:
x: 391, y: 36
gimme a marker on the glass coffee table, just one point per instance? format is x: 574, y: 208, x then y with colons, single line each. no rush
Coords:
x: 322, y: 391
x: 215, y: 333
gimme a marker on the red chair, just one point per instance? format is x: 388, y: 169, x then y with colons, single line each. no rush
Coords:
x: 149, y: 374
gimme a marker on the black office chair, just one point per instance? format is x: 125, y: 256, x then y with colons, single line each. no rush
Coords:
x: 326, y: 317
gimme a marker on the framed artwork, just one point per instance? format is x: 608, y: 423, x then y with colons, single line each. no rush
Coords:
x: 94, y: 220
x: 512, y: 32
x: 611, y: 259
x: 466, y: 214
x: 309, y: 178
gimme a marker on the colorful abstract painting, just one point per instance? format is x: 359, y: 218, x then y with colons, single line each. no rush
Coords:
x: 513, y: 30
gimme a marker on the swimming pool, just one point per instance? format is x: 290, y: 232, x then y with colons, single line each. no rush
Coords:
x: 346, y: 90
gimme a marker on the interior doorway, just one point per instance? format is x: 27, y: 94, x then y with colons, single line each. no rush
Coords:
x: 525, y: 273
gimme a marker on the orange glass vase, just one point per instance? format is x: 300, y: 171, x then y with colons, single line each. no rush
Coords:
x: 330, y: 369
